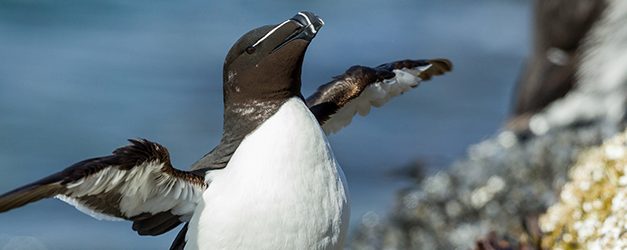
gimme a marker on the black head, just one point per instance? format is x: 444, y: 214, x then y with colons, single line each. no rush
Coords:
x: 261, y: 71
x: 266, y: 62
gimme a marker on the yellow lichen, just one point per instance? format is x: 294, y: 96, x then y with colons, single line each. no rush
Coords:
x: 592, y: 211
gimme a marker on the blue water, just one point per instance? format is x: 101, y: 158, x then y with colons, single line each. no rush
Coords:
x: 79, y: 77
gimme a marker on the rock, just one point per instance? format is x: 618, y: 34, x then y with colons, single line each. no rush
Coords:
x: 592, y: 211
x: 496, y: 188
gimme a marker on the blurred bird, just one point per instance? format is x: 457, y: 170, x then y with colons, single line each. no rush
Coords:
x: 272, y: 182
x: 600, y: 93
x: 560, y: 27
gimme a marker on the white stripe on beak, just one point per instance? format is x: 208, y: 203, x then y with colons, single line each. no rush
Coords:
x: 309, y: 23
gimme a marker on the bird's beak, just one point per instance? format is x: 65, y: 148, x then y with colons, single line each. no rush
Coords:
x: 309, y: 25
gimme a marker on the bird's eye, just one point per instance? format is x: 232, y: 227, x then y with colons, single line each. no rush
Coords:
x: 250, y: 50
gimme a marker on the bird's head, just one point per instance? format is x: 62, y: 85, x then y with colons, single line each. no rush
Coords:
x: 266, y: 62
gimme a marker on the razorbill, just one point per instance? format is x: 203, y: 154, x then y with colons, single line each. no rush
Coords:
x: 272, y: 182
x: 561, y: 31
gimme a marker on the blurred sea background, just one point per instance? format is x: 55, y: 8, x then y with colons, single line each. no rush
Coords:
x: 77, y: 78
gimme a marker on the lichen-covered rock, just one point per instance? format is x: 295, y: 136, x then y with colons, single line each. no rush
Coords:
x: 501, y: 183
x: 592, y: 211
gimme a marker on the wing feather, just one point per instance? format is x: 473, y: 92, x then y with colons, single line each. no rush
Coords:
x: 137, y: 182
x: 336, y: 103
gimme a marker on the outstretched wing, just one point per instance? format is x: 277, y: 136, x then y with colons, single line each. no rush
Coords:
x: 137, y: 182
x: 334, y: 104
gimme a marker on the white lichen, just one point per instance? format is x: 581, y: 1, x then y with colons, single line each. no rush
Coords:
x: 592, y: 211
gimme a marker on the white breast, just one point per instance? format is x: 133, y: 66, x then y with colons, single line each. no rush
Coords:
x: 282, y: 189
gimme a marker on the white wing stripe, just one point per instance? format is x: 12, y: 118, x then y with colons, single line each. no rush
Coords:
x: 375, y: 95
x: 86, y: 210
x: 142, y: 189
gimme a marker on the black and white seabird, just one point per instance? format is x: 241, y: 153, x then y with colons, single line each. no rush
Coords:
x: 272, y: 182
x: 560, y: 31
